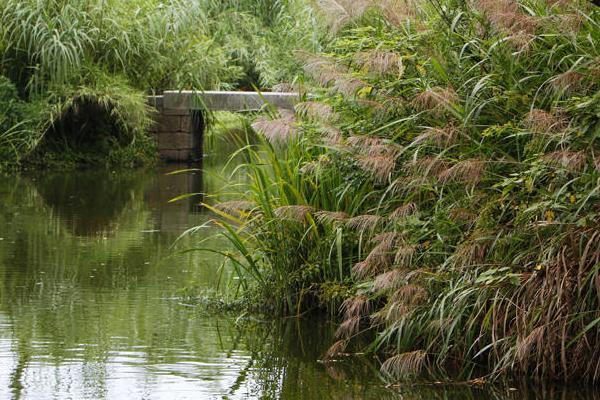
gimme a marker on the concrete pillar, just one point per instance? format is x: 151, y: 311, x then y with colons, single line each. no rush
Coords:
x: 178, y: 132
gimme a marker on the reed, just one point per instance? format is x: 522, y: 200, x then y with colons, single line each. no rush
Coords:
x: 482, y: 170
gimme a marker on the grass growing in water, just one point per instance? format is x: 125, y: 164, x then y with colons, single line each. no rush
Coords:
x: 440, y: 189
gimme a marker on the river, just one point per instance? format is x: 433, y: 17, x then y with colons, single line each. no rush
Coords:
x: 93, y: 303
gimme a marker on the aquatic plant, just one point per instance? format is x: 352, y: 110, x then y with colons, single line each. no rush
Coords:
x: 456, y: 195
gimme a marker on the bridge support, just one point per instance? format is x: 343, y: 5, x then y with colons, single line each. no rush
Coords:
x: 179, y: 121
x: 178, y: 132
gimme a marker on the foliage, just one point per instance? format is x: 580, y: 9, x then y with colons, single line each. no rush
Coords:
x: 441, y: 187
x: 59, y: 53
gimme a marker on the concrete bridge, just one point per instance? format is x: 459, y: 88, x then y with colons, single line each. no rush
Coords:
x: 179, y: 121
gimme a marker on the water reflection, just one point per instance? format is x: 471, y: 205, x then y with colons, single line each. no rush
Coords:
x: 88, y: 277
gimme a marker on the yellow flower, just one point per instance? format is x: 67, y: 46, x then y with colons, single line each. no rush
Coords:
x: 572, y: 199
x: 549, y: 215
x: 427, y: 245
x: 364, y: 92
x: 539, y: 267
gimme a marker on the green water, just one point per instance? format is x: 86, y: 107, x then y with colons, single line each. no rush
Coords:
x: 91, y: 306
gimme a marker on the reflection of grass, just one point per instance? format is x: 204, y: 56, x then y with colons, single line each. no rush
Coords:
x: 71, y: 286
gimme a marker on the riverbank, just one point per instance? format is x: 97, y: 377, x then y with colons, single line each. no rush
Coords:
x: 75, y: 75
x: 440, y: 193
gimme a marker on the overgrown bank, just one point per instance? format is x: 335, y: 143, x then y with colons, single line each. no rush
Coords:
x: 80, y: 71
x: 440, y: 189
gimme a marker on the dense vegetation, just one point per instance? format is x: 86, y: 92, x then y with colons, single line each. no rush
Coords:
x: 66, y: 60
x: 439, y: 187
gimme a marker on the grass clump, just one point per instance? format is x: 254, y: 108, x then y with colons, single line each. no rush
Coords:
x: 440, y: 189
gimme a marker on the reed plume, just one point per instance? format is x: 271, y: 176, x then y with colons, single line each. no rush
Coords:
x: 405, y: 364
x: 436, y: 100
x: 364, y: 222
x: 278, y: 130
x: 298, y: 213
x: 404, y: 211
x: 570, y: 160
x: 330, y: 217
x: 468, y: 172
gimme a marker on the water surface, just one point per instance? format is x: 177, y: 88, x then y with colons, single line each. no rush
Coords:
x: 91, y: 305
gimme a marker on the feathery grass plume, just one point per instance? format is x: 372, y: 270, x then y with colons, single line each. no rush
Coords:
x: 525, y: 345
x: 405, y: 364
x: 472, y: 251
x: 315, y: 166
x: 569, y: 24
x: 567, y: 82
x: 331, y: 217
x: 405, y: 210
x: 357, y: 306
x: 521, y: 41
x: 467, y: 171
x: 377, y: 261
x: 389, y: 280
x: 380, y: 256
x: 348, y: 328
x: 364, y: 269
x: 427, y: 166
x: 236, y: 207
x: 404, y: 255
x: 397, y: 12
x: 278, y: 130
x: 570, y: 160
x: 364, y: 222
x: 442, y: 137
x: 379, y: 167
x: 336, y: 350
x: 410, y: 294
x: 348, y: 85
x: 463, y: 215
x: 436, y: 99
x: 364, y: 143
x: 289, y: 87
x: 322, y: 69
x: 505, y: 16
x: 540, y: 121
x: 316, y: 111
x: 380, y: 62
x: 297, y: 213
x: 390, y: 150
x: 390, y: 313
x: 338, y: 13
x: 386, y: 241
x: 331, y: 135
x: 310, y: 167
x: 377, y: 108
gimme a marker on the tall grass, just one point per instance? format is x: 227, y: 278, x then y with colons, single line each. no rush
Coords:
x: 58, y: 52
x: 441, y: 188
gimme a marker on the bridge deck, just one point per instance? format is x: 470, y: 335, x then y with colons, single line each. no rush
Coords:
x: 227, y: 101
x: 179, y: 123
